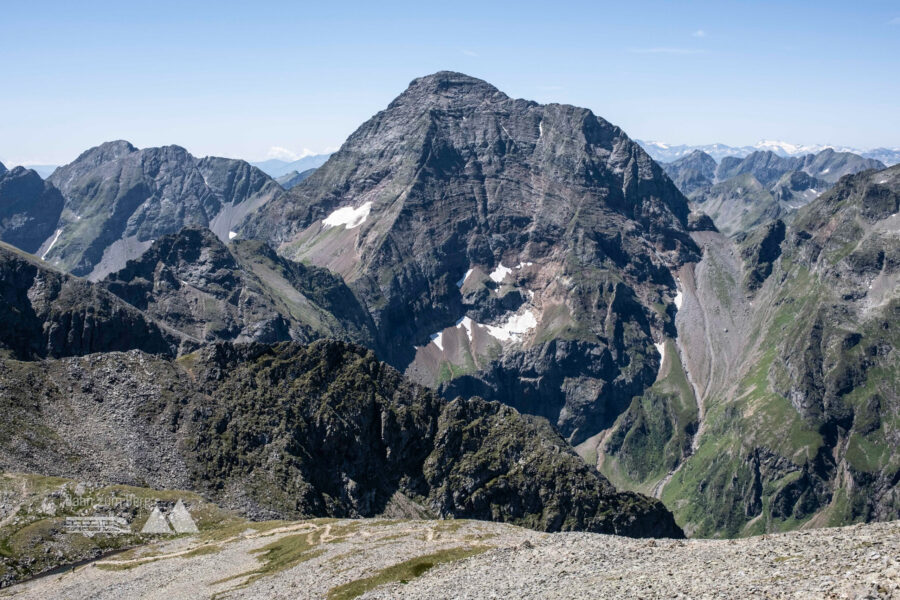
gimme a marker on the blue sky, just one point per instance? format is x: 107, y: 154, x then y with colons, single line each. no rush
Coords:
x: 241, y: 78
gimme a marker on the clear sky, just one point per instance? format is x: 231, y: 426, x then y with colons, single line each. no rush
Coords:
x: 242, y: 79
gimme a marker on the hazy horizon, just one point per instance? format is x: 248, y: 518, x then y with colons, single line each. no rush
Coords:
x: 282, y: 79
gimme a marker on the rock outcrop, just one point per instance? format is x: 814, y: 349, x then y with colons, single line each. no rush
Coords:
x: 29, y: 208
x: 45, y: 313
x: 120, y: 199
x: 290, y: 431
x: 243, y: 292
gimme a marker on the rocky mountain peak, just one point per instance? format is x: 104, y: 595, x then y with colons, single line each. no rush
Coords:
x: 447, y: 88
x: 857, y: 202
x: 3, y: 168
x: 692, y: 172
x: 104, y: 153
x: 493, y: 226
x: 119, y: 199
x: 194, y: 249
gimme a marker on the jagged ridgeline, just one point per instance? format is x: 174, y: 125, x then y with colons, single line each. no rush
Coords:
x: 279, y: 430
x: 119, y: 199
x: 743, y: 193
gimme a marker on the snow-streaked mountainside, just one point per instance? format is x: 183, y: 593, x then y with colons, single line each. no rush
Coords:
x: 664, y: 152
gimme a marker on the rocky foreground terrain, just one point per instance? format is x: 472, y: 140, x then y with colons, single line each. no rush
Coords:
x: 339, y: 559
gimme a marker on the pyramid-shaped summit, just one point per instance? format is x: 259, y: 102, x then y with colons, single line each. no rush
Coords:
x: 156, y: 523
x: 181, y: 519
x: 507, y: 229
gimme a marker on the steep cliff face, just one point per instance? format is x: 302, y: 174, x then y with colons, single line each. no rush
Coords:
x: 195, y: 284
x: 502, y: 247
x: 119, y: 199
x: 693, y: 172
x: 29, y: 208
x: 296, y: 431
x: 45, y: 313
x: 795, y: 372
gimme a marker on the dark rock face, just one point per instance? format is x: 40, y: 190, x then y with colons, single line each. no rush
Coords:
x: 693, y: 172
x: 29, y: 208
x: 119, y: 199
x: 700, y: 221
x: 760, y: 250
x: 44, y: 313
x: 291, y: 431
x: 456, y: 178
x: 209, y: 292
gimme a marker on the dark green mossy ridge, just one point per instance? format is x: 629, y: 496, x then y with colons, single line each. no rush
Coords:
x: 311, y: 403
x: 67, y: 316
x: 654, y: 435
x: 403, y: 572
x: 340, y: 435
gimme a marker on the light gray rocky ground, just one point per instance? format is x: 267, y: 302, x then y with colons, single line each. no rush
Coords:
x: 342, y: 559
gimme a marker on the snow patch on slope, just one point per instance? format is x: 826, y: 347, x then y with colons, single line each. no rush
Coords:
x: 348, y: 216
x: 511, y: 329
x: 661, y: 348
x: 50, y: 247
x: 500, y: 273
x: 514, y: 327
x: 438, y: 339
x: 467, y: 324
x: 679, y: 298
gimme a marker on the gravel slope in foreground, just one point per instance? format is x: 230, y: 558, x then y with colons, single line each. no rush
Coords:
x: 470, y: 559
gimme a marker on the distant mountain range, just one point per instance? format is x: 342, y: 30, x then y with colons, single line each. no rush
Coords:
x: 275, y: 167
x: 670, y: 152
x: 742, y: 193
